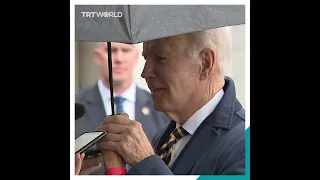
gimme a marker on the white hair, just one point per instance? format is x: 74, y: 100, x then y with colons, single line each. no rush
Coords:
x: 217, y: 39
x: 139, y: 47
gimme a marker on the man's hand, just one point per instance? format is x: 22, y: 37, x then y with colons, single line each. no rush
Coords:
x: 112, y: 159
x: 91, y: 165
x: 126, y: 137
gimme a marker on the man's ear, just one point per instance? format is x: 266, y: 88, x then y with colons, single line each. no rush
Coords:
x: 97, y: 56
x: 207, y: 63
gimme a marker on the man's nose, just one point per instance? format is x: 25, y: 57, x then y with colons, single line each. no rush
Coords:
x: 148, y: 70
x: 117, y: 57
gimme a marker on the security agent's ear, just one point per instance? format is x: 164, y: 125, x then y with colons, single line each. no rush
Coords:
x: 207, y: 62
x: 97, y: 56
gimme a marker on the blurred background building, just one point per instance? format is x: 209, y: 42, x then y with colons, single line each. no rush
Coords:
x: 86, y: 71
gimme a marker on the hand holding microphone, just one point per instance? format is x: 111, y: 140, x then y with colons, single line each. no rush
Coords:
x: 84, y: 165
x: 114, y: 163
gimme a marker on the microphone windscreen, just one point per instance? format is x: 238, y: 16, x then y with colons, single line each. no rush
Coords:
x: 80, y: 110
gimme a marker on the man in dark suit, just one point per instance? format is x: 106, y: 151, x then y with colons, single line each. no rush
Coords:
x: 129, y: 98
x: 187, y: 78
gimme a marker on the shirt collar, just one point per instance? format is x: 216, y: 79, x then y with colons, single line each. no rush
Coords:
x: 192, y: 124
x: 128, y: 94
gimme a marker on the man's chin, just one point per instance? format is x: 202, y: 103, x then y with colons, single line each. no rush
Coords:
x: 158, y: 106
x: 118, y: 81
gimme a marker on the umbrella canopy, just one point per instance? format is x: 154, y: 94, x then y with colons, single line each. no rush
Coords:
x: 139, y: 23
x: 133, y: 24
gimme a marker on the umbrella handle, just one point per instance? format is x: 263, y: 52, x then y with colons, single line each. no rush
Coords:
x: 110, y: 77
x: 113, y: 161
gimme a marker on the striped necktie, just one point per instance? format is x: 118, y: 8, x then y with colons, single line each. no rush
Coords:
x: 166, y: 149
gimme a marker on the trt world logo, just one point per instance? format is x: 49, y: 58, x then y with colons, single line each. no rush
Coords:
x: 102, y: 14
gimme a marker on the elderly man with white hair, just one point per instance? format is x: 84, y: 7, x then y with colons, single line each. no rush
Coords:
x: 206, y: 136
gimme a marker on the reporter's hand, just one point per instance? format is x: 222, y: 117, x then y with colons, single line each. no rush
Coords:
x: 91, y: 165
x: 78, y: 162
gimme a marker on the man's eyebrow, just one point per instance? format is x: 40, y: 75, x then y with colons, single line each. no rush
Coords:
x: 165, y: 54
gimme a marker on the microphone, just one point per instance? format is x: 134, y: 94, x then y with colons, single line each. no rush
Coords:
x: 80, y: 110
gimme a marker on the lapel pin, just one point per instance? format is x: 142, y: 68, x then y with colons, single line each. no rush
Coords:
x: 145, y: 111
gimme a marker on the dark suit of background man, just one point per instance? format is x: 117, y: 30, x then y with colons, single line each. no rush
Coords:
x: 129, y: 98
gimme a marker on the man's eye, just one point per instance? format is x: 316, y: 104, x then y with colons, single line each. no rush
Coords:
x: 161, y: 59
x: 126, y: 50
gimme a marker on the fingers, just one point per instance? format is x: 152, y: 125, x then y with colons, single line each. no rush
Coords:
x: 82, y: 156
x: 112, y: 128
x: 121, y: 118
x: 108, y: 145
x: 78, y: 163
x: 90, y: 170
x: 110, y: 142
x: 112, y: 137
x: 116, y: 124
x: 90, y: 162
x: 123, y: 114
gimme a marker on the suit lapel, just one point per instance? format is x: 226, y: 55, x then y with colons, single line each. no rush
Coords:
x: 208, y: 132
x: 140, y: 105
x: 95, y: 108
x: 196, y: 146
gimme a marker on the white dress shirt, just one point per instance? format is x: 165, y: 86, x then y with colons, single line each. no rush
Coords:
x: 128, y: 104
x: 192, y: 124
